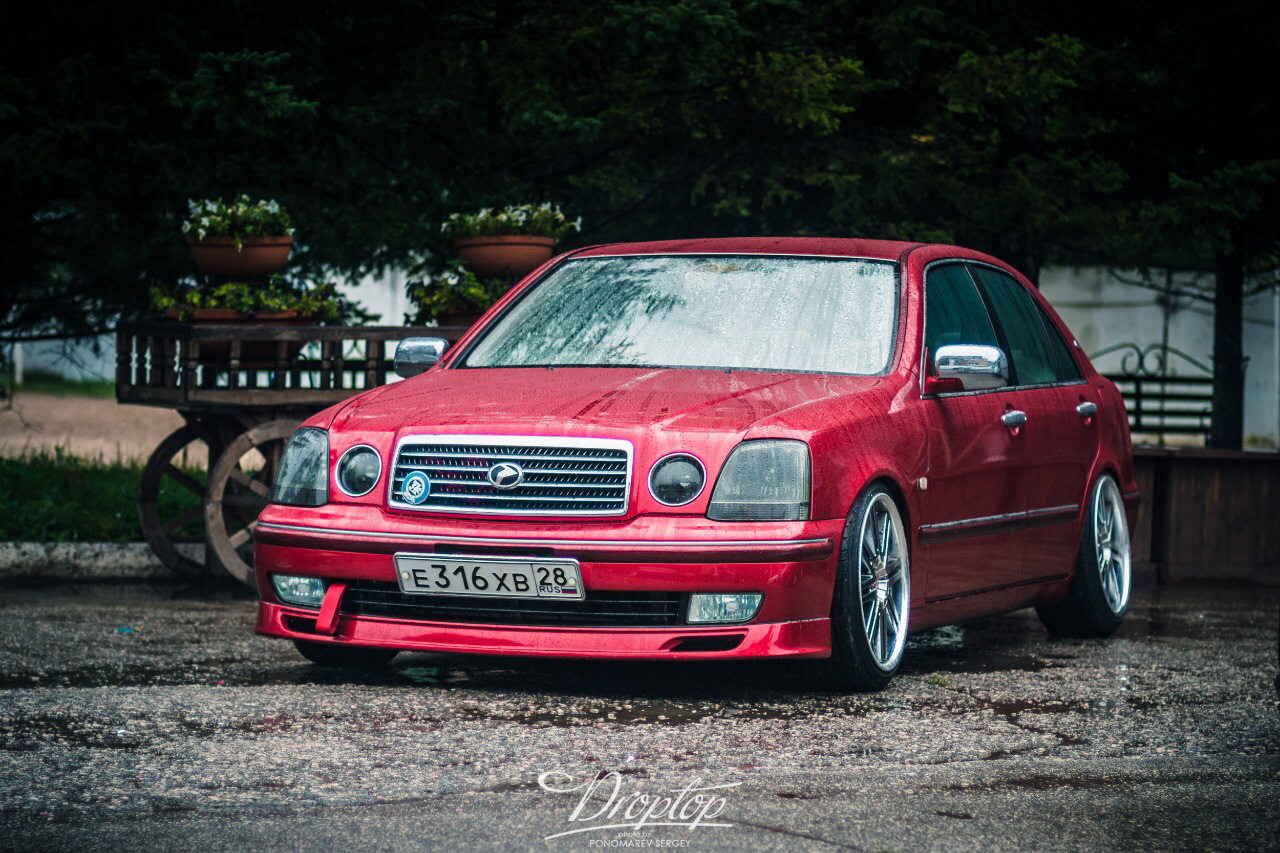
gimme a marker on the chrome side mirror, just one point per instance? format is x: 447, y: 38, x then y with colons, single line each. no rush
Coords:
x: 415, y: 355
x: 976, y: 367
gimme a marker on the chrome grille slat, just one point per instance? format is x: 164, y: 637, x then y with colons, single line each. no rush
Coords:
x: 562, y: 476
x: 498, y: 453
x: 482, y: 468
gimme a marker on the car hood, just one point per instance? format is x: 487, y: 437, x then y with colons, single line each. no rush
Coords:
x: 591, y: 401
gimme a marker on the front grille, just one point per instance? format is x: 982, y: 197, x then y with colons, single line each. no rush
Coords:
x: 561, y: 476
x: 599, y: 608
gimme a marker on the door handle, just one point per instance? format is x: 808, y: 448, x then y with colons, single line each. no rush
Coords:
x: 1087, y: 410
x: 1013, y: 418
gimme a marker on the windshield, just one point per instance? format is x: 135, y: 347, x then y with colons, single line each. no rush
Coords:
x: 751, y: 313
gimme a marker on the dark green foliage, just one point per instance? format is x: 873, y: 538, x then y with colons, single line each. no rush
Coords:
x: 1135, y: 133
x: 45, y: 382
x: 318, y: 303
x: 55, y: 497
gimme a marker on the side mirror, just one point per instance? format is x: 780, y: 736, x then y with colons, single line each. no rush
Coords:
x: 415, y: 355
x: 972, y: 367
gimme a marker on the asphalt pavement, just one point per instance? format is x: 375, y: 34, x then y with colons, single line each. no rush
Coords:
x: 141, y: 717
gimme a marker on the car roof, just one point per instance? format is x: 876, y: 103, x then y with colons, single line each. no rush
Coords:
x: 831, y: 246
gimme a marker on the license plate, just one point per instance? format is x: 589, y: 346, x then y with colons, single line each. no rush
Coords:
x: 456, y: 574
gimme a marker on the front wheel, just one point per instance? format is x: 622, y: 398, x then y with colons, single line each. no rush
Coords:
x: 1099, y: 595
x: 872, y: 597
x: 344, y: 657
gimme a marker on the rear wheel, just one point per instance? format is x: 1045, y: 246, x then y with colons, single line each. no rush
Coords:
x: 1099, y: 595
x: 872, y: 597
x: 345, y: 657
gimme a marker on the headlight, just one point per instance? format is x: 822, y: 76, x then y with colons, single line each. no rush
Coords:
x: 358, y: 470
x: 677, y: 479
x: 764, y: 480
x: 303, y: 476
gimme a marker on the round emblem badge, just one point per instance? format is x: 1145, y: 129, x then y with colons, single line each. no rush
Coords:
x: 416, y: 488
x: 505, y: 476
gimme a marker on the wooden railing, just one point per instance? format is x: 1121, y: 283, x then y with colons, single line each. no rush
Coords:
x: 1161, y: 401
x: 220, y: 365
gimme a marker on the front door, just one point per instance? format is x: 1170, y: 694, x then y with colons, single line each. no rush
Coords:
x: 976, y: 475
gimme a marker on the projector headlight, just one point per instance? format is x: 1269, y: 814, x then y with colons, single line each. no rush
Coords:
x: 763, y: 480
x: 303, y: 476
x: 677, y: 479
x: 359, y: 470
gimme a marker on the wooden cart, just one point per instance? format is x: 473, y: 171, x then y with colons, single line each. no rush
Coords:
x: 242, y: 390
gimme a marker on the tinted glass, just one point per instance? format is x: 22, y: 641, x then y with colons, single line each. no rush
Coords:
x: 763, y: 313
x: 1030, y: 345
x: 954, y: 313
x: 1064, y: 364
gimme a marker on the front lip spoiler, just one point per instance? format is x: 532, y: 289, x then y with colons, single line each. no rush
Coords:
x: 810, y: 638
x: 599, y: 550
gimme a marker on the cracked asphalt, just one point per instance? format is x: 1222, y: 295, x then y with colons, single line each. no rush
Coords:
x: 151, y: 717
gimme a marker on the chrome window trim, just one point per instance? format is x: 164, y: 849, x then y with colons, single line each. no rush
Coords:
x: 654, y: 467
x: 892, y: 261
x: 567, y: 543
x: 584, y: 443
x: 1002, y: 390
x: 337, y: 471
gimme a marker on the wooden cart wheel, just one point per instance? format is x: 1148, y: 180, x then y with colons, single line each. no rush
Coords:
x: 239, y: 485
x: 183, y: 452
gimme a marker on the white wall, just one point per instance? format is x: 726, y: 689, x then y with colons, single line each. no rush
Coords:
x: 1102, y: 310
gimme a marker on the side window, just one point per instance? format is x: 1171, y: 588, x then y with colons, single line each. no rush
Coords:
x: 1032, y: 352
x: 954, y: 313
x: 1066, y: 365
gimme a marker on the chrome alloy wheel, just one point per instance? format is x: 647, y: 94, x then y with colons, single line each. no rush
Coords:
x: 1111, y: 538
x: 884, y: 584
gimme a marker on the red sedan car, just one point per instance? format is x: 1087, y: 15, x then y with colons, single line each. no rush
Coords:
x: 705, y: 449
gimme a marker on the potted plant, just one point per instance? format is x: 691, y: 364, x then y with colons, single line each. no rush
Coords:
x: 278, y: 301
x: 456, y: 296
x: 244, y: 239
x: 509, y: 241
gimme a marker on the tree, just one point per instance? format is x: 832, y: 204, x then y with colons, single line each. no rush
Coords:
x: 1206, y: 173
x: 1037, y: 132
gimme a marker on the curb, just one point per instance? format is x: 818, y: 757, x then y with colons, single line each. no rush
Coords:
x: 78, y: 561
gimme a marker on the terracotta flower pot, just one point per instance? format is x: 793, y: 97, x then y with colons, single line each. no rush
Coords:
x: 516, y: 255
x: 258, y: 257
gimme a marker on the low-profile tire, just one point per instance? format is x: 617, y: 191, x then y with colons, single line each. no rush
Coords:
x: 1099, y: 595
x: 871, y: 601
x: 345, y: 657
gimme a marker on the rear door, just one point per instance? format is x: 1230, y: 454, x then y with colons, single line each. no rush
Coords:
x: 1059, y: 441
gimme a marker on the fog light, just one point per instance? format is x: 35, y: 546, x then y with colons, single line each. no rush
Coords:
x: 304, y: 591
x: 724, y: 606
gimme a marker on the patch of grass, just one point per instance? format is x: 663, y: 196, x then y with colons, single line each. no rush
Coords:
x: 44, y: 382
x: 938, y: 680
x: 53, y: 496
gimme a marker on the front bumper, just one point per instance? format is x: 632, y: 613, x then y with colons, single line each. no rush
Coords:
x: 792, y: 564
